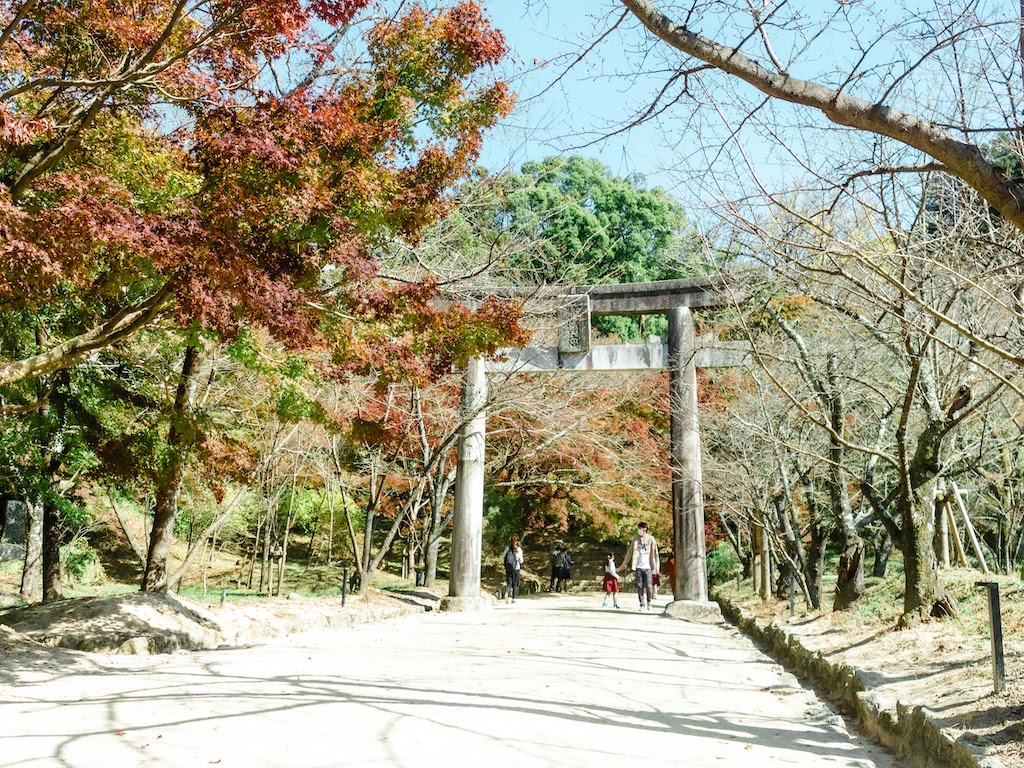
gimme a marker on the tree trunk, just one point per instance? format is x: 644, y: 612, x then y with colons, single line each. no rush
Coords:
x: 815, y: 566
x: 53, y: 420
x: 289, y: 521
x: 267, y: 548
x: 51, y: 553
x: 330, y: 525
x: 32, y: 573
x: 438, y: 523
x: 924, y: 596
x: 765, y: 550
x: 154, y: 578
x: 942, y: 528
x: 366, y: 571
x: 820, y: 530
x: 179, y: 439
x: 430, y: 562
x: 850, y: 577
x: 882, y: 552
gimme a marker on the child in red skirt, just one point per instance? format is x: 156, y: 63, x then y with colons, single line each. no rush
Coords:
x: 611, y: 582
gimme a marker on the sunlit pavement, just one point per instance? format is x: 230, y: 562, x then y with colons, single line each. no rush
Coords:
x: 550, y: 681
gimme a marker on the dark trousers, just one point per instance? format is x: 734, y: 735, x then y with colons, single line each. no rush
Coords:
x: 644, y: 586
x: 512, y: 582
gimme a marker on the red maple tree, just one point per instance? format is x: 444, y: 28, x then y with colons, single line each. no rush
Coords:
x: 214, y: 160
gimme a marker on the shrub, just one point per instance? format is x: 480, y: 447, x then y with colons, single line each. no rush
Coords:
x: 723, y: 564
x: 82, y: 562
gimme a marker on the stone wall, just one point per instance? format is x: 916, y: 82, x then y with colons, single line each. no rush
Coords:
x: 903, y: 727
x: 15, y: 520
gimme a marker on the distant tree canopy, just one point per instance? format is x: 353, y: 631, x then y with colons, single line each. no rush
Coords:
x: 579, y: 223
x: 588, y: 225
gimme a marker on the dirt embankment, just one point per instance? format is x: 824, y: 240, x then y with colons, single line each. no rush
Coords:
x: 893, y: 681
x: 143, y: 622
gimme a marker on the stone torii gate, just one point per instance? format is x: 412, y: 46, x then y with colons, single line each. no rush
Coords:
x: 682, y: 355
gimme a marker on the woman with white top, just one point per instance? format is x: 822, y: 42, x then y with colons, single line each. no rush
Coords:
x: 512, y: 558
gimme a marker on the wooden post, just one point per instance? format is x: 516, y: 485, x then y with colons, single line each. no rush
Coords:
x: 687, y: 482
x: 996, y: 623
x: 969, y: 527
x: 464, y: 581
x: 941, y: 525
x: 961, y: 556
x: 766, y: 564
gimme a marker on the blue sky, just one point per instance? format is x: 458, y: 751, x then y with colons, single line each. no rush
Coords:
x: 569, y: 114
x: 705, y: 149
x: 583, y: 108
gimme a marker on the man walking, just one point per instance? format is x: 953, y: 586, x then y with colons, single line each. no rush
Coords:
x: 642, y: 558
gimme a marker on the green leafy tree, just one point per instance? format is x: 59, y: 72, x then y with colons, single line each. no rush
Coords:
x: 576, y: 222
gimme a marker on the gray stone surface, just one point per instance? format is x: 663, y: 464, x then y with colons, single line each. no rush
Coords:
x: 695, y: 610
x: 550, y: 682
x: 16, y: 521
x: 10, y: 551
x: 464, y: 604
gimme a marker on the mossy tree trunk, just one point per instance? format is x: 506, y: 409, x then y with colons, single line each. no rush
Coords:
x: 924, y: 595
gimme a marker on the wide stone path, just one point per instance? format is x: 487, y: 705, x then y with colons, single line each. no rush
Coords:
x: 550, y: 681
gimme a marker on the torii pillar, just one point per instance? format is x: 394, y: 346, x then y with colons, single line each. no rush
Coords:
x: 691, y: 584
x: 467, y: 533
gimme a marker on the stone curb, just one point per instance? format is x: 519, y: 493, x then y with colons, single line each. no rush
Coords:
x: 905, y: 727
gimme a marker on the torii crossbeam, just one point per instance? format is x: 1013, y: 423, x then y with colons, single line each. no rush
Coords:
x: 682, y: 355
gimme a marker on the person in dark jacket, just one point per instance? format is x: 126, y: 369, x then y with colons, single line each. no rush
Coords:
x: 564, y: 572
x: 556, y: 563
